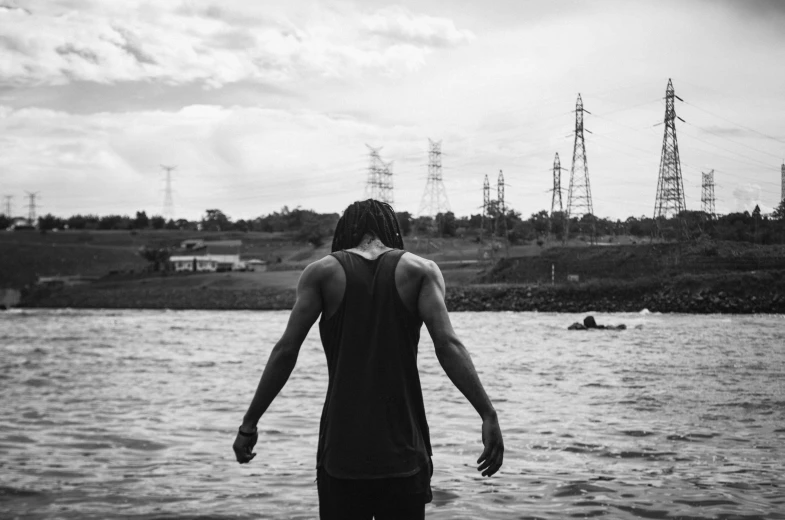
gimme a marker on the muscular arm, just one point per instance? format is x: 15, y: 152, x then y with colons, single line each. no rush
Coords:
x: 457, y: 364
x: 283, y: 356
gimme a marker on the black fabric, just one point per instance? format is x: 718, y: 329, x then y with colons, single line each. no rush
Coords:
x: 373, y: 422
x: 381, y: 499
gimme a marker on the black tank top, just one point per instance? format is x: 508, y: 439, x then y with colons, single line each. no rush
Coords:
x: 373, y: 421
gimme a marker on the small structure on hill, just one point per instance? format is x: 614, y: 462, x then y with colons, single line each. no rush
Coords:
x: 208, y: 256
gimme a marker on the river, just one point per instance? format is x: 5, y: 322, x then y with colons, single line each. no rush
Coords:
x: 132, y: 414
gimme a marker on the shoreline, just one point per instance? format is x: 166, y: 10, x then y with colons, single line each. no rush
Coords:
x: 731, y: 293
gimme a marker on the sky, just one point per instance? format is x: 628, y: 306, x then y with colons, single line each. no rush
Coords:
x: 262, y: 105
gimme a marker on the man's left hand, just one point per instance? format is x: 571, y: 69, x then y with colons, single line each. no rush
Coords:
x: 243, y: 447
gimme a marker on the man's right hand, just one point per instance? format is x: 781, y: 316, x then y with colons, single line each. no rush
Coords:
x: 492, y: 456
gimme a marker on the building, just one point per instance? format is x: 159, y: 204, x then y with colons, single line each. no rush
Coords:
x: 193, y: 263
x: 200, y: 255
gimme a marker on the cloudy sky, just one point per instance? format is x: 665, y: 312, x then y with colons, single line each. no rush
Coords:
x: 266, y: 104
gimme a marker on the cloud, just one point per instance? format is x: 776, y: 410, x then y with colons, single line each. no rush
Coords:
x: 85, y: 54
x: 130, y: 41
x: 747, y: 196
x: 399, y: 25
x: 245, y: 160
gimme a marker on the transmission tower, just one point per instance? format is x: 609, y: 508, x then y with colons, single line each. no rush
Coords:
x: 8, y: 205
x: 579, y: 197
x: 556, y: 185
x: 386, y: 186
x: 486, y: 205
x: 168, y: 211
x: 556, y: 191
x: 31, y: 207
x: 502, y: 208
x: 782, y: 186
x: 670, y: 187
x: 434, y: 198
x: 707, y: 194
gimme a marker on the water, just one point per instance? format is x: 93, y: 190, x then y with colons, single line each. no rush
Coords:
x: 132, y: 414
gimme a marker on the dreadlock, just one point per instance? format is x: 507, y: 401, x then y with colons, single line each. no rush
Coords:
x: 367, y: 217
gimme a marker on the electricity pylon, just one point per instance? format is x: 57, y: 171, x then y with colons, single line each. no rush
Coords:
x: 31, y: 207
x: 168, y: 212
x: 8, y: 205
x: 556, y: 196
x: 434, y: 198
x: 670, y: 186
x: 707, y: 194
x: 502, y: 210
x: 486, y: 205
x: 782, y: 186
x: 579, y: 201
x: 379, y: 185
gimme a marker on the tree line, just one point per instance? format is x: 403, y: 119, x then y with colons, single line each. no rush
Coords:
x: 315, y: 228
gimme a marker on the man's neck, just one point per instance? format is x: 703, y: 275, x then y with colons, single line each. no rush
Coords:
x: 370, y: 247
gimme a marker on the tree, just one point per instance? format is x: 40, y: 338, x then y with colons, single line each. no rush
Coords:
x: 49, y: 222
x: 404, y: 221
x: 157, y: 221
x: 142, y: 221
x: 215, y: 220
x: 157, y: 256
x: 779, y: 211
x: 445, y: 224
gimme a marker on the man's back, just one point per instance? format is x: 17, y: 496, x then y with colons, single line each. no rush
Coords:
x: 373, y: 422
x: 409, y: 275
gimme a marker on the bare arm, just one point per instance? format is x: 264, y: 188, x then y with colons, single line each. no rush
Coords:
x: 283, y: 358
x: 457, y: 364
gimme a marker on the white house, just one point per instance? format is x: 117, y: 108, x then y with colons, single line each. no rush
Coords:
x: 194, y: 263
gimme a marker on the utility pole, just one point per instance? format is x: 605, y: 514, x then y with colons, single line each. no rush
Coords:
x: 434, y: 198
x: 707, y: 194
x: 31, y: 207
x: 502, y: 210
x: 579, y: 198
x: 556, y: 191
x: 168, y: 211
x: 486, y: 205
x: 8, y: 213
x: 670, y: 187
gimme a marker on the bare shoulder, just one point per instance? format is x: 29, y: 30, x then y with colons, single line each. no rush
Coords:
x: 321, y: 269
x: 418, y: 266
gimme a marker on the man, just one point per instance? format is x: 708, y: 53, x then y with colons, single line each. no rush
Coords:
x: 374, y: 454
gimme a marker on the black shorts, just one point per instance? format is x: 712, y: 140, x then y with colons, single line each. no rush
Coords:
x: 381, y: 499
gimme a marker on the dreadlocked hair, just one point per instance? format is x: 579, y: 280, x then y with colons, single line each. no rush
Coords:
x: 367, y: 217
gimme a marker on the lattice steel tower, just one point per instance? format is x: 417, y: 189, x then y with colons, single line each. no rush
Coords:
x: 31, y: 207
x: 670, y: 187
x: 782, y: 187
x: 707, y: 194
x: 486, y: 205
x: 500, y: 203
x: 168, y: 211
x: 556, y: 185
x: 379, y: 185
x: 8, y: 205
x: 434, y: 199
x: 579, y: 197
